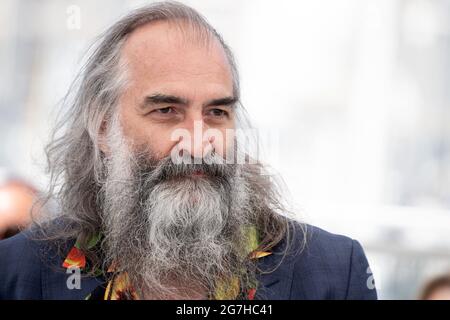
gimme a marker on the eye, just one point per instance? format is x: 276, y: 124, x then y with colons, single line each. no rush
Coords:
x: 218, y: 112
x: 166, y: 110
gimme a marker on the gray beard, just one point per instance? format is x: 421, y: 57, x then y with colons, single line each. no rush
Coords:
x: 168, y: 229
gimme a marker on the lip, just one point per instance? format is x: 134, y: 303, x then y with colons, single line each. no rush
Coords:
x: 198, y: 173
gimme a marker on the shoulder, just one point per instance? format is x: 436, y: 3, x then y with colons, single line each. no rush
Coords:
x: 20, y: 267
x: 19, y: 252
x: 326, y: 265
x: 28, y: 266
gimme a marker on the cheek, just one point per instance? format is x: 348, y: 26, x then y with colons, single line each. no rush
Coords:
x: 160, y: 143
x: 142, y: 134
x: 157, y: 141
x: 224, y: 142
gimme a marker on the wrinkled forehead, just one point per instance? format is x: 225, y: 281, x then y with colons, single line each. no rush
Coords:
x: 162, y: 47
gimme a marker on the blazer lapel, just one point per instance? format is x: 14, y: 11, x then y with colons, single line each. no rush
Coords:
x: 274, y: 282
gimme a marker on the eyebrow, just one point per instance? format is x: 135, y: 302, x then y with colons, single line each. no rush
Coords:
x: 163, y: 98
x: 159, y: 98
x: 227, y: 101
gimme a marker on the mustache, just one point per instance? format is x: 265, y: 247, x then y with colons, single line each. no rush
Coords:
x: 212, y: 167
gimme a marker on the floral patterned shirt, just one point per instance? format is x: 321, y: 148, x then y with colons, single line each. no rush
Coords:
x: 119, y: 288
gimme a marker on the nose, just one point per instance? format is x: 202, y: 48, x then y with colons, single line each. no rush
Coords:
x: 195, y: 148
x: 195, y: 140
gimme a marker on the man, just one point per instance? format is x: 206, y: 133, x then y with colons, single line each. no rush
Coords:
x: 156, y: 197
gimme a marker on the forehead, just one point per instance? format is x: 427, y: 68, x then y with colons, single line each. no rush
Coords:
x: 167, y: 54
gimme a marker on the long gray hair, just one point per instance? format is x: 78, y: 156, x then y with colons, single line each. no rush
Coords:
x: 76, y: 163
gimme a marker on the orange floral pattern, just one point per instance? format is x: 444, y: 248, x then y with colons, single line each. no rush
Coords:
x: 118, y: 288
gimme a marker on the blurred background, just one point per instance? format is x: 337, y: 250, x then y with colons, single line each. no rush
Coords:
x: 351, y: 98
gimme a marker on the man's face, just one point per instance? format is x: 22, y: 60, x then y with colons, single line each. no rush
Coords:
x: 157, y: 220
x: 176, y: 84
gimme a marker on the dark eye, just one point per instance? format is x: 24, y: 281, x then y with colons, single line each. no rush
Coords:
x: 166, y: 110
x: 218, y: 112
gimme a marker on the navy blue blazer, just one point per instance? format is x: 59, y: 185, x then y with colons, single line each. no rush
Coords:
x: 329, y: 266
